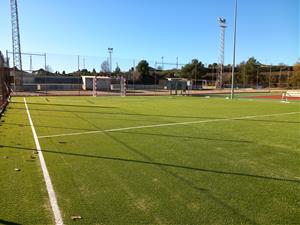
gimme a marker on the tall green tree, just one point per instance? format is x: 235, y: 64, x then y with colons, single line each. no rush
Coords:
x: 193, y: 70
x: 143, y: 67
x: 294, y: 81
x: 251, y: 70
x: 117, y: 70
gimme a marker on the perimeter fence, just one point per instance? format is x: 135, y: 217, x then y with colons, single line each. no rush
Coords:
x: 5, y: 89
x: 59, y: 74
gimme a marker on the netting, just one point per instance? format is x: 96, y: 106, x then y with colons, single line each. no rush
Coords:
x: 4, y: 83
x: 58, y: 74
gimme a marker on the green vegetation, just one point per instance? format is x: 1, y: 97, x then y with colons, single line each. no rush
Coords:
x: 294, y: 82
x: 241, y: 171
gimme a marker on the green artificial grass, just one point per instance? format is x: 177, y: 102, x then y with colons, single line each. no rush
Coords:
x: 242, y: 171
x: 23, y: 196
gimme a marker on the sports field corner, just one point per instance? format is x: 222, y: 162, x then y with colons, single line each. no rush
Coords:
x: 150, y: 160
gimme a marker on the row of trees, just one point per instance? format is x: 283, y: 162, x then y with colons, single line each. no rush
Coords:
x: 249, y: 73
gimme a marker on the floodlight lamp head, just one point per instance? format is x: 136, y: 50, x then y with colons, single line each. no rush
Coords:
x: 110, y: 49
x: 222, y: 21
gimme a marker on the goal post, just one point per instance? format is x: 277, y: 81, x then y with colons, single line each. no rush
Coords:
x: 109, y: 86
x: 95, y: 86
x: 289, y: 94
x: 123, y: 86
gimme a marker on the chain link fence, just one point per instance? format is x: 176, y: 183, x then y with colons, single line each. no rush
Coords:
x: 59, y: 74
x: 5, y: 89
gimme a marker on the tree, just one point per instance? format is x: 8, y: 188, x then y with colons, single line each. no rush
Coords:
x: 85, y: 72
x: 63, y: 72
x: 105, y: 66
x: 144, y: 72
x: 117, y: 70
x: 240, y: 76
x: 294, y: 81
x: 251, y: 68
x: 143, y: 67
x: 194, y: 70
x: 213, y: 66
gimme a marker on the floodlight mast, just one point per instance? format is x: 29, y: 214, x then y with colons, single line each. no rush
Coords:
x: 16, y: 43
x: 222, y: 23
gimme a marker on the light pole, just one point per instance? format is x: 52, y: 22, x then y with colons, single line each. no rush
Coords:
x: 222, y: 23
x: 257, y: 77
x: 270, y: 75
x: 234, y: 47
x: 110, y: 51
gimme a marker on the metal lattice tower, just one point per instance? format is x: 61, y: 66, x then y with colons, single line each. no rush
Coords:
x: 17, y: 58
x: 222, y: 23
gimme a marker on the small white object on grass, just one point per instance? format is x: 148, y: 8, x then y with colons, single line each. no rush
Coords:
x: 207, y: 96
x: 76, y: 217
x: 17, y: 169
x: 286, y: 102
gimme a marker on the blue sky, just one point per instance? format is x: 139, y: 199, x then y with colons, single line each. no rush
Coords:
x: 267, y: 30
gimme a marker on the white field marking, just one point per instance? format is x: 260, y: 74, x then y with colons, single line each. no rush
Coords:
x: 49, y: 186
x: 164, y: 125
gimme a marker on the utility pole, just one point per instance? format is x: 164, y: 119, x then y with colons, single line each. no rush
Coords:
x: 270, y: 75
x: 110, y: 51
x: 78, y: 63
x: 162, y: 62
x: 234, y: 48
x: 45, y: 61
x: 30, y: 66
x: 257, y: 74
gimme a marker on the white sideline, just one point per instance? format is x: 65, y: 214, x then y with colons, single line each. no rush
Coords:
x: 165, y: 125
x: 49, y: 186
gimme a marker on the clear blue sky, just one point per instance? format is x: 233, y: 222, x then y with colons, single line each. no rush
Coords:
x: 267, y: 29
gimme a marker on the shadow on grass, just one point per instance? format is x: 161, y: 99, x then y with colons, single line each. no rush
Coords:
x: 165, y: 168
x: 184, y: 137
x: 54, y: 127
x: 116, y: 113
x: 155, y: 115
x: 4, y: 222
x: 157, y: 164
x: 69, y: 105
x: 268, y: 121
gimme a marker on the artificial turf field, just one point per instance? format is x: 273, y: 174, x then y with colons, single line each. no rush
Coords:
x: 152, y: 160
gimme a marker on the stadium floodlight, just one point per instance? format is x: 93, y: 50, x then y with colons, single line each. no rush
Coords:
x: 222, y: 23
x: 110, y: 51
x: 234, y: 48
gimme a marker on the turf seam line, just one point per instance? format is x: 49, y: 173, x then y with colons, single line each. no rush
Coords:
x: 49, y: 186
x: 164, y: 125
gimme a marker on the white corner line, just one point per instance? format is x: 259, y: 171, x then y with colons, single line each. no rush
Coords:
x: 165, y: 125
x: 49, y: 186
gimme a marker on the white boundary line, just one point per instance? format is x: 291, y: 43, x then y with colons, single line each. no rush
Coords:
x: 49, y: 186
x: 164, y: 125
